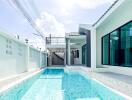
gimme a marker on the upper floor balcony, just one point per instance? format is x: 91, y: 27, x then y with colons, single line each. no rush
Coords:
x: 55, y: 42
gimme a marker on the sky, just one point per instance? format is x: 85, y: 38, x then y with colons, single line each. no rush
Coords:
x: 55, y: 17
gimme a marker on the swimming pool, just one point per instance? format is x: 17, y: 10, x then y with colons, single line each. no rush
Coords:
x: 56, y: 84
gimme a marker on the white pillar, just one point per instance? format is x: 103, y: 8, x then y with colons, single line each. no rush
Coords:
x: 65, y: 56
x: 80, y: 54
x: 93, y: 49
x: 69, y: 52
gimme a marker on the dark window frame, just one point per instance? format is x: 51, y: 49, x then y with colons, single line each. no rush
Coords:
x: 119, y: 46
x: 108, y: 49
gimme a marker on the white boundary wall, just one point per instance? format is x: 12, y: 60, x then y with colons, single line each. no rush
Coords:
x: 17, y: 57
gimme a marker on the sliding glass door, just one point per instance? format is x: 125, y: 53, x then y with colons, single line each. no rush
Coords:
x: 105, y: 48
x: 126, y: 45
x: 117, y: 47
x: 114, y: 48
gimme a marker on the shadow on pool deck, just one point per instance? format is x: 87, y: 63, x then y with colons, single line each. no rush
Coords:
x: 121, y: 77
x: 119, y: 82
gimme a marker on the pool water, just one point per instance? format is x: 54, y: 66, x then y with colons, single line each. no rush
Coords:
x: 55, y: 84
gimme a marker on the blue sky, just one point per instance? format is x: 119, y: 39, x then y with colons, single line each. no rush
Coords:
x: 51, y: 16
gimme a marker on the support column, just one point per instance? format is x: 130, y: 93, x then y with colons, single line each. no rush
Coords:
x: 88, y: 50
x: 68, y: 52
x: 64, y: 56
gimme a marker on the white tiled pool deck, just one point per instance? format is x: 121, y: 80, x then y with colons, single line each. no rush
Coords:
x: 121, y: 83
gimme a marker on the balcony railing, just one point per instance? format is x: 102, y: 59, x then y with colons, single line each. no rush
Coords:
x: 55, y: 40
x: 72, y: 34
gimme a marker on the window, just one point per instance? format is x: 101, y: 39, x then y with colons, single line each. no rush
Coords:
x: 126, y: 45
x: 105, y: 48
x: 114, y: 48
x: 117, y: 47
x: 84, y: 55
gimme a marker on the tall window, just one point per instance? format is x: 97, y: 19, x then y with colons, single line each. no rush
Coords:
x: 105, y: 48
x: 126, y: 45
x: 84, y: 55
x: 114, y: 48
x: 117, y: 47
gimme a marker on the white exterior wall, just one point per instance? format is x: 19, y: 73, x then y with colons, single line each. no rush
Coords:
x: 12, y: 55
x: 15, y: 56
x: 93, y: 48
x: 43, y: 59
x: 93, y: 44
x: 121, y: 15
x: 34, y: 59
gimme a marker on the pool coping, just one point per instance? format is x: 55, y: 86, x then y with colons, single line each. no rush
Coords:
x: 19, y: 81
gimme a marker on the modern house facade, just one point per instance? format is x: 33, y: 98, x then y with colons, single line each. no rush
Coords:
x: 74, y: 52
x: 66, y: 50
x: 106, y: 45
x: 112, y: 36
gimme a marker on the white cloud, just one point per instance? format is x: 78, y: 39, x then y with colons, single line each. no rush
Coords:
x: 64, y: 12
x: 48, y: 24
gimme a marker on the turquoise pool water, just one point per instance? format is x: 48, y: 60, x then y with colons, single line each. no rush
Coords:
x: 55, y: 84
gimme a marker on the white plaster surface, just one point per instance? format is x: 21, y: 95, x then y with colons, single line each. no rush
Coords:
x: 16, y: 57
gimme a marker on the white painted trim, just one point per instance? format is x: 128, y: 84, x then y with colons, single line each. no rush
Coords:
x: 109, y: 13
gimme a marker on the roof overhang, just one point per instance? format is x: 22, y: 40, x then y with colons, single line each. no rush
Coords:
x: 78, y: 40
x: 113, y: 7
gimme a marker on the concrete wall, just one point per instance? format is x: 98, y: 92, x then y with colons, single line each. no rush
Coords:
x: 121, y: 15
x: 16, y: 57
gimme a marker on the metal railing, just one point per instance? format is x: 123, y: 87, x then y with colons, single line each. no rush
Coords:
x: 72, y: 34
x: 55, y: 40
